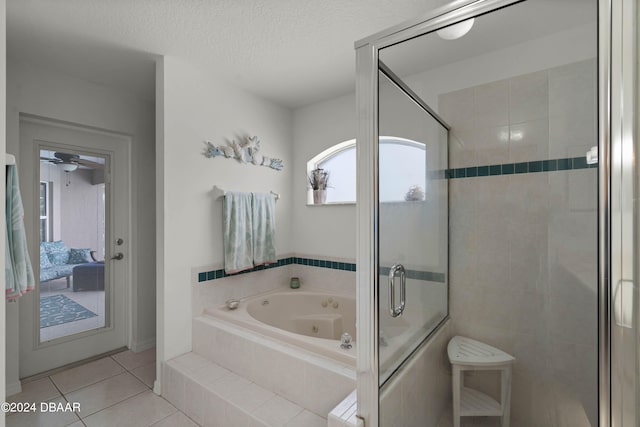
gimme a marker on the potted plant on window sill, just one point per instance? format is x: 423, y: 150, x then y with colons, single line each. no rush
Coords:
x: 319, y: 181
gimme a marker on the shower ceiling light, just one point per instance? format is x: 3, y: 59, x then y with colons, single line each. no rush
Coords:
x: 456, y: 31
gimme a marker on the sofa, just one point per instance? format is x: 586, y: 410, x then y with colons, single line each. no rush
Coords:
x: 57, y: 261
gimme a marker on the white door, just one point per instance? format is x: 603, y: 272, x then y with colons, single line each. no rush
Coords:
x: 76, y: 194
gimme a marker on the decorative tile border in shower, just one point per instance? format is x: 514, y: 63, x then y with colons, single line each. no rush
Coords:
x: 428, y: 276
x: 219, y: 274
x: 570, y: 163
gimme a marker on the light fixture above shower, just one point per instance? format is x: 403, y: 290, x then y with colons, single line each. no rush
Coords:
x: 456, y: 31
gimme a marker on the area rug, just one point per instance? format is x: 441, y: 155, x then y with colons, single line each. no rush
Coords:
x: 59, y: 309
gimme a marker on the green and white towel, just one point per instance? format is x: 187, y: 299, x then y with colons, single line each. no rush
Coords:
x: 18, y: 270
x: 264, y: 228
x: 238, y: 232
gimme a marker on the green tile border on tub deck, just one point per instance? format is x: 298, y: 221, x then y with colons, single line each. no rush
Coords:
x: 334, y: 265
x: 569, y: 163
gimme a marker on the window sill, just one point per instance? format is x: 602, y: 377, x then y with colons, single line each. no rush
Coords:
x: 333, y: 204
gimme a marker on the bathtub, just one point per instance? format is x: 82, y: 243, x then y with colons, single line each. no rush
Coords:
x: 311, y: 320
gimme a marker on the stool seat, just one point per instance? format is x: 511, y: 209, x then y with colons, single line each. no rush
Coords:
x: 466, y: 354
x: 465, y: 351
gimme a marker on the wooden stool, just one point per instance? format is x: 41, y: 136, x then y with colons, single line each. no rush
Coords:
x: 466, y: 354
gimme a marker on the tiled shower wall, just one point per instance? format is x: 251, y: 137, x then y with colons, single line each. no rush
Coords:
x: 523, y: 246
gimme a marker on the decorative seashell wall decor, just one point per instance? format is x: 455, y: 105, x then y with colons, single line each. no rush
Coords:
x: 245, y: 152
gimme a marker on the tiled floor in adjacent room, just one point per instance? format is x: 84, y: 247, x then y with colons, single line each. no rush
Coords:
x: 112, y: 391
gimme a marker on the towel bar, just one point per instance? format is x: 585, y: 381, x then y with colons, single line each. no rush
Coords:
x: 219, y: 192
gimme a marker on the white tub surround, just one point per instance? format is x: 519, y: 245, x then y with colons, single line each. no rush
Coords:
x: 311, y: 372
x: 213, y: 396
x: 307, y: 379
x: 344, y: 415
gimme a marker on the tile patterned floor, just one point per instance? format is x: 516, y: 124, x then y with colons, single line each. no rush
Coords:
x: 112, y: 391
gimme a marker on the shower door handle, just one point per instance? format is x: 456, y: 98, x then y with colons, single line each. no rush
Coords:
x: 394, y: 310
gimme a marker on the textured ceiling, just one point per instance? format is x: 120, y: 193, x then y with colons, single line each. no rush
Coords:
x: 293, y: 52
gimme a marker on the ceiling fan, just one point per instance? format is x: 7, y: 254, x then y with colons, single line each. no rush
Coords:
x: 71, y: 162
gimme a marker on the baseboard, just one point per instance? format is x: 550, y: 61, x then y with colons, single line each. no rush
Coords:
x: 14, y: 388
x: 138, y: 346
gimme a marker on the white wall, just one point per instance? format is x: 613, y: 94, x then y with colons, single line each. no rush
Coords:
x: 197, y: 107
x: 77, y: 209
x: 321, y: 230
x: 47, y: 93
x: 82, y: 212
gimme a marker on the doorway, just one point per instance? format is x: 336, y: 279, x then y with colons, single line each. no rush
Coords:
x: 77, y: 218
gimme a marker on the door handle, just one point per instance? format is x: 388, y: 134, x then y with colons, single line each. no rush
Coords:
x: 394, y: 310
x: 623, y: 303
x: 118, y: 256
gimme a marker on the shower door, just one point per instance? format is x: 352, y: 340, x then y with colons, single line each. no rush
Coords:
x: 412, y: 222
x: 523, y: 213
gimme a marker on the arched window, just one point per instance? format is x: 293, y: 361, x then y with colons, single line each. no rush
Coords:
x: 402, y: 167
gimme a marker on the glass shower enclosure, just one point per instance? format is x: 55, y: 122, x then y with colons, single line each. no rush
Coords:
x: 517, y: 227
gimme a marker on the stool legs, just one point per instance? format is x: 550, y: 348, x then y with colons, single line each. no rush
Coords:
x: 456, y: 387
x: 505, y: 390
x: 457, y: 383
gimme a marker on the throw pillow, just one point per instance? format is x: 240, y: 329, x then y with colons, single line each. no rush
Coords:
x: 57, y: 251
x: 79, y: 256
x: 44, y: 258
